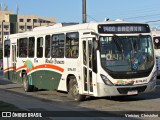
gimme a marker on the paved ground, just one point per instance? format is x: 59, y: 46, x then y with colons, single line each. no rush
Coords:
x: 58, y: 101
x: 52, y: 107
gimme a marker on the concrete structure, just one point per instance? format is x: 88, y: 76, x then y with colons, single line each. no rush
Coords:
x: 4, y: 23
x: 28, y: 22
x: 12, y: 23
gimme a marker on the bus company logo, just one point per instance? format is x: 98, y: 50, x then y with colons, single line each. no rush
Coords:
x: 29, y: 65
x: 35, y: 60
x: 124, y: 82
x: 55, y: 61
x: 6, y: 114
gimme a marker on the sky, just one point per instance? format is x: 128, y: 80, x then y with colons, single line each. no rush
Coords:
x: 97, y: 10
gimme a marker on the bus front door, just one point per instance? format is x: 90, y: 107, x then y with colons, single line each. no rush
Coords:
x: 88, y: 74
x: 14, y: 62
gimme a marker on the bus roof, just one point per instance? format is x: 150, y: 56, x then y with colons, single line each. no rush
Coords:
x: 60, y: 27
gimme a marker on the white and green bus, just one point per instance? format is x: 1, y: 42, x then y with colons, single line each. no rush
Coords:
x: 91, y: 59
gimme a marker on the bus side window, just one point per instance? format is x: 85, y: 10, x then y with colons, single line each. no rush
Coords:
x: 58, y: 46
x: 40, y: 47
x: 23, y: 47
x: 7, y: 48
x: 47, y: 46
x: 31, y: 47
x: 72, y: 45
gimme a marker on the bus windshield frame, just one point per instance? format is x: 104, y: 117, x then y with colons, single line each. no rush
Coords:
x: 124, y: 54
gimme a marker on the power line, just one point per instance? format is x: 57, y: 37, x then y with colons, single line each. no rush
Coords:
x: 142, y: 16
x: 91, y: 17
x: 153, y: 21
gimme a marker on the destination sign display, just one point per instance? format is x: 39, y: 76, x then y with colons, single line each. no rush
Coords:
x: 123, y: 28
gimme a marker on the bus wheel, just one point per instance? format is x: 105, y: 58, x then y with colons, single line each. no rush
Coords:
x: 74, y: 90
x: 26, y: 86
x: 35, y: 88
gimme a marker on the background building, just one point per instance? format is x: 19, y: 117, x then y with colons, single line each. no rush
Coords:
x: 4, y: 23
x: 11, y: 23
x: 22, y: 23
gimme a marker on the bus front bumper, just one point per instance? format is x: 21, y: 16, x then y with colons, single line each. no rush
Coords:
x: 104, y: 90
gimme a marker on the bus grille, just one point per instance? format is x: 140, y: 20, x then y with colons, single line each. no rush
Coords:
x: 129, y: 76
x: 126, y: 89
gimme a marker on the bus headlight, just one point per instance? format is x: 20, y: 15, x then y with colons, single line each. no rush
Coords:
x: 154, y: 77
x: 106, y: 80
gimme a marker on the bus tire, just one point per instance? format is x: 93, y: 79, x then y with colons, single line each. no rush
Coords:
x: 74, y: 91
x: 35, y: 88
x: 26, y: 86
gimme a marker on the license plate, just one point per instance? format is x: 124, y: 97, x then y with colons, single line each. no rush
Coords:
x: 132, y: 92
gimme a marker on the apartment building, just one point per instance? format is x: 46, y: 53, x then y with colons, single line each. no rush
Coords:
x: 4, y: 23
x: 28, y: 22
x: 11, y: 23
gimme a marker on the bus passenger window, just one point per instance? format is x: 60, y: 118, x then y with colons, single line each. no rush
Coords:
x: 40, y: 47
x: 58, y: 46
x: 72, y: 45
x: 47, y: 46
x: 31, y: 47
x: 7, y: 48
x: 23, y: 47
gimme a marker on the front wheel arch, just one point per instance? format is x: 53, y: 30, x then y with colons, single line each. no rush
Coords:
x: 73, y: 90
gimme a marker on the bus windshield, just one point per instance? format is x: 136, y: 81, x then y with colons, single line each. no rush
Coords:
x: 126, y: 53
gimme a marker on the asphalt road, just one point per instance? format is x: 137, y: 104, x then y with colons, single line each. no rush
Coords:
x: 58, y: 101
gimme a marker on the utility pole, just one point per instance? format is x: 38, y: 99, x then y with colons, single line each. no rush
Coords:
x: 84, y: 11
x: 17, y: 9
